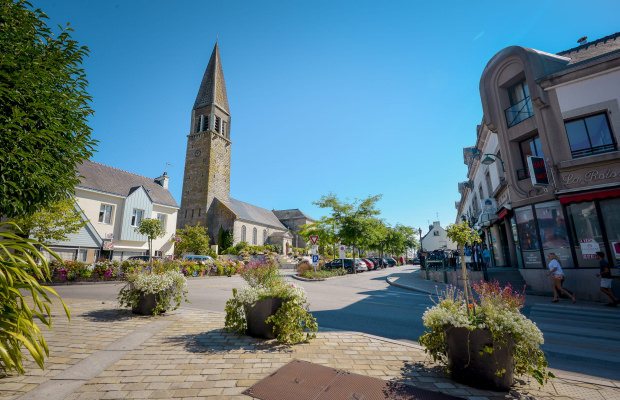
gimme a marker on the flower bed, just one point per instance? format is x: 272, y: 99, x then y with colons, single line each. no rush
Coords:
x: 106, y: 270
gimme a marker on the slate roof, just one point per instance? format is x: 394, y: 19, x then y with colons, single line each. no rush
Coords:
x: 116, y: 181
x: 253, y: 213
x: 593, y: 49
x: 291, y: 214
x: 213, y: 88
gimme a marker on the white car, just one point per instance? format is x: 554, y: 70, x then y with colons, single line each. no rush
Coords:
x: 198, y: 259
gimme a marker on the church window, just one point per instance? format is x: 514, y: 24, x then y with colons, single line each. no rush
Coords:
x: 217, y: 124
x: 199, y: 211
x: 197, y: 124
x: 243, y: 233
x: 192, y: 213
x: 224, y: 133
x: 186, y: 213
x: 264, y: 236
x: 254, y: 236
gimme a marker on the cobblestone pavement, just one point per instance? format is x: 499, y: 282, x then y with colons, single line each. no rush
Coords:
x: 106, y: 353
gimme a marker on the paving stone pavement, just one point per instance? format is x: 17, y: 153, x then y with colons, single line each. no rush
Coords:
x: 188, y: 355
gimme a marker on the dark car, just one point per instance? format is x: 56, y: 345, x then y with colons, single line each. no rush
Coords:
x: 379, y: 262
x: 143, y: 258
x: 391, y: 262
x: 348, y: 264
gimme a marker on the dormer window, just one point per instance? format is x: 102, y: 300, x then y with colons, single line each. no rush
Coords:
x: 520, y: 104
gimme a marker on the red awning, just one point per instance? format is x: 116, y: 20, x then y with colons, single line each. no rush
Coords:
x: 502, y: 213
x: 599, y: 194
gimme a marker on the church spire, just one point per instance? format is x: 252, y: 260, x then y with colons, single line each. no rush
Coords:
x: 213, y: 88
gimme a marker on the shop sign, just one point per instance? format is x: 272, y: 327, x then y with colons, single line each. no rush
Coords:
x: 589, y: 247
x: 538, y: 170
x: 593, y: 175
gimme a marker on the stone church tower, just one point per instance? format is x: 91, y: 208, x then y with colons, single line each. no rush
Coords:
x: 207, y: 159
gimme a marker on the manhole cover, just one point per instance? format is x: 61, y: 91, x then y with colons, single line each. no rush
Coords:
x: 302, y: 380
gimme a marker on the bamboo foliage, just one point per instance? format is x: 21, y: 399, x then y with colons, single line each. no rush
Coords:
x: 22, y: 299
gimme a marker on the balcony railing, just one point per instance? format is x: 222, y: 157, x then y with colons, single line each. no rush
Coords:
x: 594, y: 150
x: 519, y: 112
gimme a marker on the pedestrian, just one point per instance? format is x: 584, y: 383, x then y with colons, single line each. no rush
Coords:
x: 555, y: 269
x: 486, y: 257
x: 605, y: 275
x: 468, y: 257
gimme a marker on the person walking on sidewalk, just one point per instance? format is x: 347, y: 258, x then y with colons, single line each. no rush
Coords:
x: 606, y: 279
x: 555, y: 269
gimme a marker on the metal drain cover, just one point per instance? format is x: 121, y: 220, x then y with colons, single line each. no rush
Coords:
x: 302, y: 380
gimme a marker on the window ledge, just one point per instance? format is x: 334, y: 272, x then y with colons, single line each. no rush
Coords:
x: 595, y: 158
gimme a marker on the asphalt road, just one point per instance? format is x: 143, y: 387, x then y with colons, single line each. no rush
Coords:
x: 364, y: 302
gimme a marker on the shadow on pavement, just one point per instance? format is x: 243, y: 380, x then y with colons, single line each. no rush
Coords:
x: 219, y: 341
x: 108, y: 315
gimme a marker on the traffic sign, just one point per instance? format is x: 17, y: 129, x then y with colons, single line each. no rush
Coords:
x: 315, y: 249
x: 342, y: 251
x: 314, y: 239
x: 315, y: 260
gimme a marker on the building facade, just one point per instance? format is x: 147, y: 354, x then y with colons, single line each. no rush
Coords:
x: 556, y: 118
x: 114, y: 202
x: 437, y: 239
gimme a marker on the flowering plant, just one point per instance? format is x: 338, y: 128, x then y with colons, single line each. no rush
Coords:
x: 498, y: 310
x: 169, y: 286
x: 292, y: 323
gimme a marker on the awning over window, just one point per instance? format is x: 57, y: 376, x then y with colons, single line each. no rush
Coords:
x: 502, y: 213
x: 599, y: 194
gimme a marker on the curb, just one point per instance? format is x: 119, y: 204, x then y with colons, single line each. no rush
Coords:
x: 391, y: 281
x: 300, y: 278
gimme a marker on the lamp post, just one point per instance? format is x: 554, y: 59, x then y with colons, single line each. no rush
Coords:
x: 488, y: 160
x: 420, y: 256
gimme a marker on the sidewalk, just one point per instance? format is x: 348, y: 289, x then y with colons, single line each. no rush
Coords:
x: 106, y: 353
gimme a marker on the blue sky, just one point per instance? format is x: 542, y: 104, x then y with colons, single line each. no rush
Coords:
x: 352, y: 97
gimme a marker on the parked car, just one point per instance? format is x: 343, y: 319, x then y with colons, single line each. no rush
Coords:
x: 373, y: 263
x: 369, y: 264
x: 143, y: 258
x: 199, y: 259
x: 391, y: 262
x: 416, y: 260
x: 379, y: 263
x: 348, y: 265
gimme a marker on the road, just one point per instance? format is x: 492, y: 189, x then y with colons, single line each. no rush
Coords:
x: 364, y: 302
x: 582, y: 339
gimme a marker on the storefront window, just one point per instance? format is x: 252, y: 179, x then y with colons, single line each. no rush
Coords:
x: 586, y: 233
x: 553, y: 232
x: 610, y: 209
x: 528, y: 238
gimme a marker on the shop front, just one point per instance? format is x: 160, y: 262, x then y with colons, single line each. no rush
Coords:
x: 575, y: 228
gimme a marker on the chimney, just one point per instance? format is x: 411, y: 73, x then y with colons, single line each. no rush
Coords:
x: 582, y: 40
x: 163, y: 180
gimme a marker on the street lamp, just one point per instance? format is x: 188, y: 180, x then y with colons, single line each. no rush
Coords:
x: 488, y: 160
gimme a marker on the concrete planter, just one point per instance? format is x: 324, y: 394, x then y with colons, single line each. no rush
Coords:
x: 147, y: 303
x: 257, y: 313
x: 470, y: 364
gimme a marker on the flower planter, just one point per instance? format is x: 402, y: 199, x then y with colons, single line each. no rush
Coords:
x: 147, y: 303
x: 470, y: 364
x: 257, y: 313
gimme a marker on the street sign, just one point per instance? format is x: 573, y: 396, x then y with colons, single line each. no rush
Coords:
x: 315, y: 260
x: 342, y: 251
x: 314, y: 239
x: 315, y: 249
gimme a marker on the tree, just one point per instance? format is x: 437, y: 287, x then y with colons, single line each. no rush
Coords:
x: 53, y: 223
x: 194, y: 239
x: 44, y: 109
x: 44, y: 135
x: 323, y: 228
x: 153, y: 229
x: 225, y: 238
x: 462, y: 234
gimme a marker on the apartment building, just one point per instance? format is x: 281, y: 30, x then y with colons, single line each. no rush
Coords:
x: 556, y: 119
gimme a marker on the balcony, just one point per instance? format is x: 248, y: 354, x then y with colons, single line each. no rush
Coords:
x: 519, y: 112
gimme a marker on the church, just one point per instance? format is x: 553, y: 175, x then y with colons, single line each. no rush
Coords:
x: 205, y: 198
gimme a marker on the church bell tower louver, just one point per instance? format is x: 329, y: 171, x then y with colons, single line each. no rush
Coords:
x: 207, y: 158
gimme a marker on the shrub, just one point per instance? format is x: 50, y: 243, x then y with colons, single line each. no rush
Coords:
x: 303, y: 267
